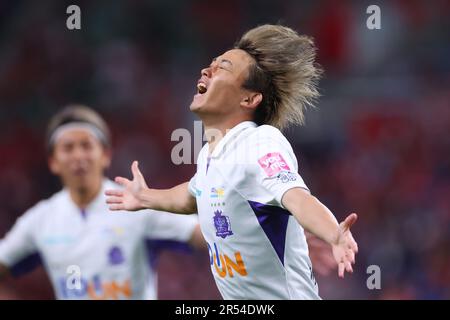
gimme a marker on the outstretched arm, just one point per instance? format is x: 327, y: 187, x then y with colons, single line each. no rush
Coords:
x: 316, y: 218
x: 136, y: 195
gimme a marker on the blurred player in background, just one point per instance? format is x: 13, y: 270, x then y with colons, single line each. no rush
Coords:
x: 253, y: 205
x: 88, y: 252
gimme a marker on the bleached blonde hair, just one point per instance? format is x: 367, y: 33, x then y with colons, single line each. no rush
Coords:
x: 284, y: 72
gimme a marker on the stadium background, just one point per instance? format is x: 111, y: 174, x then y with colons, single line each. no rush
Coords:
x: 378, y: 144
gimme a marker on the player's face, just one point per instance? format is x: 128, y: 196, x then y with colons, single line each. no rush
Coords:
x: 223, y: 81
x: 79, y: 159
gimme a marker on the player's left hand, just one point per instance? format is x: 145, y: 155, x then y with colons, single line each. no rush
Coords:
x: 345, y: 247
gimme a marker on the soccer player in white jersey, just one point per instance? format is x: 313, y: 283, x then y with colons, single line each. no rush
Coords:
x: 89, y: 252
x: 252, y: 203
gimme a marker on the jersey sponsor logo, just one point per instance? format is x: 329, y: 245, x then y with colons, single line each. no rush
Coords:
x: 224, y: 265
x: 286, y: 176
x: 222, y: 224
x: 118, y: 231
x: 115, y: 256
x: 96, y: 289
x: 217, y: 193
x: 114, y: 231
x: 272, y: 163
x: 59, y: 239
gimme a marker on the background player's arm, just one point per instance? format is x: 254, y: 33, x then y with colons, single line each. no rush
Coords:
x: 19, y: 244
x: 197, y: 241
x: 318, y: 219
x: 4, y: 271
x: 174, y: 227
x: 321, y: 255
x: 136, y: 195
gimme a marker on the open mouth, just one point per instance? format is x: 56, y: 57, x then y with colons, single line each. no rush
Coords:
x: 201, y: 88
x: 80, y: 172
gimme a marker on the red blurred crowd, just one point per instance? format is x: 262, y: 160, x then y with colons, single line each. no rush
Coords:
x: 378, y: 144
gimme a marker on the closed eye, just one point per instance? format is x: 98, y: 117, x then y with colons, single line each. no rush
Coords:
x: 225, y: 66
x: 222, y: 63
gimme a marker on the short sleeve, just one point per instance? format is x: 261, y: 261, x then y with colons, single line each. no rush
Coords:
x: 192, y: 186
x: 18, y: 243
x: 169, y: 226
x: 277, y: 168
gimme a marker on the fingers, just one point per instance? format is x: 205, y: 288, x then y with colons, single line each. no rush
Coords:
x: 116, y: 207
x: 353, y: 246
x: 135, y: 170
x: 349, y: 221
x: 114, y: 200
x: 351, y: 243
x: 348, y: 266
x: 351, y: 256
x: 117, y: 193
x: 348, y: 247
x: 346, y: 259
x: 341, y: 268
x: 122, y: 181
x: 344, y: 265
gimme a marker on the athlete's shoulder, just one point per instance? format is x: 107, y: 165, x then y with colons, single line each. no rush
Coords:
x: 264, y: 134
x: 109, y: 184
x: 203, y: 153
x: 45, y: 206
x: 268, y: 129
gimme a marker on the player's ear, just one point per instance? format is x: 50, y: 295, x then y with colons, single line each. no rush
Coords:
x: 251, y: 100
x: 53, y: 164
x: 107, y: 154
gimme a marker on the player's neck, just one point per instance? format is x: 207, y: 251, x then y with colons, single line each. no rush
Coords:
x: 215, y: 131
x: 82, y: 197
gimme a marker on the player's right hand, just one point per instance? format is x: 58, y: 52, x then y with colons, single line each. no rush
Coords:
x: 129, y: 197
x: 345, y: 248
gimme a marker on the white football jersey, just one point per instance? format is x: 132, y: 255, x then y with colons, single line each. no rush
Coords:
x: 97, y: 253
x: 257, y: 248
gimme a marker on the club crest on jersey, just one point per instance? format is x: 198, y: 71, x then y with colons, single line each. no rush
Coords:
x: 222, y: 224
x: 272, y: 163
x: 115, y: 256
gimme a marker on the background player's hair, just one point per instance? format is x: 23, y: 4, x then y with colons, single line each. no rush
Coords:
x: 77, y: 113
x: 284, y: 72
